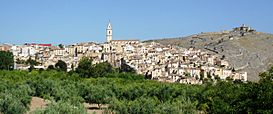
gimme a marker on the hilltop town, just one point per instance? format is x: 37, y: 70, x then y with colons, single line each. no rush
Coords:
x: 166, y: 63
x: 243, y: 47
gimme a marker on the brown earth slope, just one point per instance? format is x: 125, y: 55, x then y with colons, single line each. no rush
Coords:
x: 251, y: 51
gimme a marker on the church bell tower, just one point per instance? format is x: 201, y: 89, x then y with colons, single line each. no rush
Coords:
x: 109, y: 32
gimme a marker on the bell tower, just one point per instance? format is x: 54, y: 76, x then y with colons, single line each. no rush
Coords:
x: 109, y: 32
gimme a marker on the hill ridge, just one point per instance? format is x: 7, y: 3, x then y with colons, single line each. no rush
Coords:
x: 243, y: 47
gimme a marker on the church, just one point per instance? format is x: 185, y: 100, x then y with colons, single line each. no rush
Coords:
x: 114, y: 50
x: 109, y: 36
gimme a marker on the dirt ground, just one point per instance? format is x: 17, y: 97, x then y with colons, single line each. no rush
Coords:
x: 36, y: 103
x: 39, y: 103
x: 93, y: 108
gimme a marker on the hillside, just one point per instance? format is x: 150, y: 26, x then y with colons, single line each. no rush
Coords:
x: 243, y: 47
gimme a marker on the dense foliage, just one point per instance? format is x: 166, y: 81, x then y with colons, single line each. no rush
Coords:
x: 61, y: 65
x: 124, y: 67
x: 130, y: 93
x: 84, y: 68
x: 6, y: 60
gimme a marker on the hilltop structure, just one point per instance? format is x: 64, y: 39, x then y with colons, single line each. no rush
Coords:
x: 242, y: 30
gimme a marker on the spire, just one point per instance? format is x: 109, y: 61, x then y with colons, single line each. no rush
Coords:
x: 109, y: 32
x: 109, y: 26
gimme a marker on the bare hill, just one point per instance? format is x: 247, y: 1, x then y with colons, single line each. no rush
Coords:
x: 243, y: 47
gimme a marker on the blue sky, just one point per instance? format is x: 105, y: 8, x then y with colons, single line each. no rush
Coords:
x: 72, y: 21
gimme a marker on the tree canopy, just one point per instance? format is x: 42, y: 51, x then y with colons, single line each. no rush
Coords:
x: 87, y: 69
x: 124, y: 67
x: 84, y: 68
x: 6, y: 60
x: 124, y: 93
x: 61, y: 65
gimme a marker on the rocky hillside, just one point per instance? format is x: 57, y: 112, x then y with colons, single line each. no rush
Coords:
x: 243, y: 47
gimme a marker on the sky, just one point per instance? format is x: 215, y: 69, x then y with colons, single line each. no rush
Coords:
x: 73, y: 21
